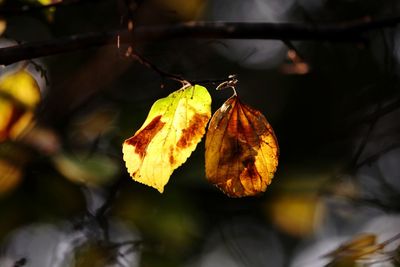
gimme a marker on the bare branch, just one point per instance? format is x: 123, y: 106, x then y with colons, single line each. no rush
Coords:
x: 175, y: 77
x: 155, y: 68
x: 342, y: 32
x: 25, y: 8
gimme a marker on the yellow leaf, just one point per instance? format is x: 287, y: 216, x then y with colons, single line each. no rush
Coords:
x: 169, y: 135
x: 20, y: 86
x: 241, y: 150
x: 19, y: 95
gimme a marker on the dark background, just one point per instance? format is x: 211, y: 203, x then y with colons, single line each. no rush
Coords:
x: 337, y: 125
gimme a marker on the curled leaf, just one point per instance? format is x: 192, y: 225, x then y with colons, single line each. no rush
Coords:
x: 169, y: 135
x: 241, y: 150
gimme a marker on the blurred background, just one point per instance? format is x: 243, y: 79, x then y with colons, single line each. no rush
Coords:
x: 66, y: 198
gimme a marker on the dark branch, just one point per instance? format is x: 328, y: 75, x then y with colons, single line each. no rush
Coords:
x: 343, y: 32
x: 25, y: 8
x: 112, y: 194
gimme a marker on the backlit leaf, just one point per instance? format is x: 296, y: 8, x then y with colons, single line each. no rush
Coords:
x: 241, y: 150
x: 19, y: 95
x: 169, y: 135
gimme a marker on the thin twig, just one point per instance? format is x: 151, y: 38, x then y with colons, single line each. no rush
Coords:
x: 376, y: 156
x: 175, y: 77
x: 364, y: 141
x: 391, y: 107
x: 291, y: 46
x: 342, y: 32
x: 112, y: 194
x: 164, y: 74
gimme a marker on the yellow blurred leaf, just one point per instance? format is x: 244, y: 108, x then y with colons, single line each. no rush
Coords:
x: 19, y: 95
x: 173, y: 128
x: 21, y: 87
x: 48, y: 2
x: 3, y: 25
x: 297, y: 215
x: 241, y: 150
x: 185, y: 9
x: 296, y: 207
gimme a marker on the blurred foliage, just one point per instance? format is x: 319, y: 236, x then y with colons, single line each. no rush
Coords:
x: 3, y: 25
x: 334, y: 108
x: 19, y: 95
x: 361, y: 250
x: 10, y: 176
x: 185, y: 10
x: 86, y: 169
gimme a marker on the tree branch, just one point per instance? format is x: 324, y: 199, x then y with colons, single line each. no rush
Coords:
x: 18, y: 10
x: 343, y: 32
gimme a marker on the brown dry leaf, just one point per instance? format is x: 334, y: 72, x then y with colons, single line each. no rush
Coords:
x: 241, y: 150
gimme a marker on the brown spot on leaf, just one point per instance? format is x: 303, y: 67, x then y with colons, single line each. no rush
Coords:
x: 171, y: 156
x: 198, y: 121
x: 142, y: 139
x: 251, y: 177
